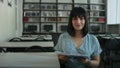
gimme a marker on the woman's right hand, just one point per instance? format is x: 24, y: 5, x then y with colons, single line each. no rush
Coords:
x: 62, y: 57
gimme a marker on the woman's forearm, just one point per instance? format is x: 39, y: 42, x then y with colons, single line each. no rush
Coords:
x: 93, y: 63
x: 62, y: 57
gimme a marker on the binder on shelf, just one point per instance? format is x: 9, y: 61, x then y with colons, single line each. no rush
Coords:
x: 102, y: 20
x: 26, y: 19
x: 27, y: 14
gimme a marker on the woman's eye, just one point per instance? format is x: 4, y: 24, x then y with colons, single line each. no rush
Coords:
x: 75, y: 18
x: 81, y: 18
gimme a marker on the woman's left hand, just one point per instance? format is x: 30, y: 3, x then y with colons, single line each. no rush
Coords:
x: 83, y: 60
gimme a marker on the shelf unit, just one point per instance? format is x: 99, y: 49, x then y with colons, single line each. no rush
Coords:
x: 51, y: 16
x: 97, y: 16
x: 31, y: 16
x: 63, y: 11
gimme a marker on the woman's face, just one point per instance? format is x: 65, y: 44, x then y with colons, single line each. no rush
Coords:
x: 78, y: 23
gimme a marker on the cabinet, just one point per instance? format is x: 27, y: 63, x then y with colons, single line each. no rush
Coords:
x: 51, y: 16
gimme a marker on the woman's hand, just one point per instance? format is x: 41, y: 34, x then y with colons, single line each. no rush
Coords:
x: 93, y: 63
x: 83, y: 60
x: 62, y: 57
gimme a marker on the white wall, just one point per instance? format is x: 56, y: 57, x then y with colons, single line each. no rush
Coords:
x: 118, y: 12
x: 7, y: 21
x: 113, y: 11
x: 10, y: 20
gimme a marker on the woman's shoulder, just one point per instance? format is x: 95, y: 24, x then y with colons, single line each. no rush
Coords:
x: 92, y: 39
x: 64, y: 34
x: 91, y: 36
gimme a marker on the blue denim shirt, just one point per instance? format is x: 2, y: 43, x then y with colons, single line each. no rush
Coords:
x: 90, y: 47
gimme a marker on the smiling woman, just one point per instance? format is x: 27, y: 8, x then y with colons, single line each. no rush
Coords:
x: 76, y: 41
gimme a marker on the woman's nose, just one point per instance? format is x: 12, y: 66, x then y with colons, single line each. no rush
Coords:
x: 78, y: 21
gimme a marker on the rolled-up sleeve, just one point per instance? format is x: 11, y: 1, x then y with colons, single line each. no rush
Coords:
x: 58, y: 46
x: 97, y: 48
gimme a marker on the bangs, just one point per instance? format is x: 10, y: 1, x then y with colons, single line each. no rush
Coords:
x: 77, y: 13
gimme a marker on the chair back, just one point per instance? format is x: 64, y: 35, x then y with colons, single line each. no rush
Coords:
x: 35, y: 48
x: 112, y: 44
x: 55, y: 37
x: 2, y: 50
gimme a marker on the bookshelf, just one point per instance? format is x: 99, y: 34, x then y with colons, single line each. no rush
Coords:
x: 97, y: 16
x: 54, y: 14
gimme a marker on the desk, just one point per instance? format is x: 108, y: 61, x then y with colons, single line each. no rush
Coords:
x: 110, y: 37
x: 27, y: 44
x: 29, y: 60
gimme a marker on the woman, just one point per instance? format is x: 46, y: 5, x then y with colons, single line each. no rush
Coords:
x: 77, y: 41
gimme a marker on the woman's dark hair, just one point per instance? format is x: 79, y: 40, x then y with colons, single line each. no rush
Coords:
x: 81, y: 13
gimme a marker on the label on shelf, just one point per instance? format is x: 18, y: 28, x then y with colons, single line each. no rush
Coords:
x: 101, y: 20
x: 80, y: 1
x: 64, y: 1
x: 48, y: 1
x: 32, y: 0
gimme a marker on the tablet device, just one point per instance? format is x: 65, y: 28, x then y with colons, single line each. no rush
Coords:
x: 77, y: 57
